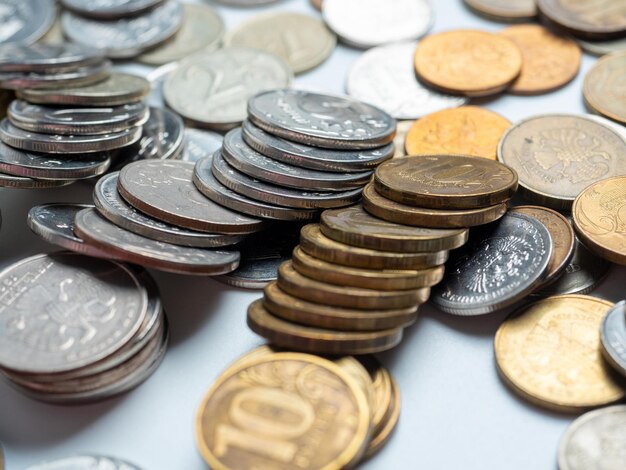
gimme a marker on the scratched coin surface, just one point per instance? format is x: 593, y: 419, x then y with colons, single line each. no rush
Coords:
x: 613, y: 337
x: 504, y: 10
x: 549, y: 353
x: 25, y: 21
x: 85, y: 462
x: 594, y: 19
x: 109, y: 9
x: 604, y: 89
x: 46, y: 57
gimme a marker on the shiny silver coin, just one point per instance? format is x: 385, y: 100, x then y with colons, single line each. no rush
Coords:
x: 314, y: 158
x: 84, y: 462
x: 321, y: 120
x: 20, y: 182
x: 199, y: 144
x: 109, y: 9
x: 133, y: 248
x: 56, y: 143
x: 208, y: 185
x: 613, y: 335
x: 126, y: 37
x: 47, y: 58
x: 601, y: 48
x: 247, y: 160
x: 76, y: 121
x: 501, y: 264
x: 82, y: 76
x: 25, y: 21
x: 112, y: 206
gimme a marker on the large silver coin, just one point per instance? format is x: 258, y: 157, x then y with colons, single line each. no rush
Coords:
x: 595, y: 441
x: 112, y: 206
x: 20, y: 182
x: 212, y: 89
x: 385, y: 77
x: 247, y: 160
x: 501, y: 264
x: 613, y: 335
x: 314, y: 158
x: 47, y: 58
x: 321, y: 120
x: 133, y: 248
x: 127, y: 37
x: 109, y: 9
x: 25, y: 21
x: 82, y: 76
x: 84, y: 462
x: 67, y: 311
x: 199, y: 144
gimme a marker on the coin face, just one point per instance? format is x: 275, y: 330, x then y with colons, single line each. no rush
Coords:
x: 597, y: 19
x: 603, y: 87
x: 559, y: 155
x: 468, y: 130
x: 109, y: 9
x: 46, y: 57
x: 613, y: 336
x: 454, y: 61
x: 25, y: 21
x: 84, y: 462
x: 199, y: 144
x: 504, y: 10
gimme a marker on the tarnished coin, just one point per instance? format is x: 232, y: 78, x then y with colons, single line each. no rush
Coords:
x: 20, y: 182
x: 85, y: 462
x: 504, y: 10
x: 549, y: 60
x: 468, y: 130
x: 613, y: 336
x: 455, y: 61
x: 109, y: 9
x: 603, y: 87
x: 212, y: 89
x: 549, y: 353
x: 501, y: 264
x: 299, y: 404
x: 25, y: 21
x: 596, y: 19
x: 164, y: 190
x: 385, y: 77
x: 601, y: 48
x: 198, y: 144
x: 303, y: 41
x: 445, y: 181
x: 559, y: 155
x: 82, y: 76
x: 368, y: 23
x: 321, y: 120
x: 46, y: 58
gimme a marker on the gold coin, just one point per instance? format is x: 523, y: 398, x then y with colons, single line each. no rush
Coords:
x: 283, y: 411
x: 382, y: 436
x: 387, y: 209
x: 549, y: 60
x: 318, y: 245
x: 467, y: 130
x: 318, y: 340
x: 288, y: 307
x: 468, y: 62
x: 603, y: 88
x: 382, y: 396
x: 380, y: 279
x: 549, y: 353
x: 599, y: 214
x: 305, y: 288
x: 445, y: 181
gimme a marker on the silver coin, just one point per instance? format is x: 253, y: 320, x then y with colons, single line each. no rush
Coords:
x: 619, y: 128
x: 109, y: 9
x: 501, y: 264
x: 82, y: 76
x: 47, y: 58
x: 76, y: 121
x: 613, y: 335
x: 85, y: 462
x: 369, y: 23
x: 247, y: 160
x: 137, y: 249
x: 200, y: 144
x: 67, y: 311
x: 212, y: 89
x: 246, y: 3
x: 321, y: 120
x: 127, y: 37
x: 595, y: 441
x: 112, y: 206
x: 20, y: 182
x: 157, y: 78
x: 25, y: 21
x: 56, y: 143
x: 385, y: 77
x: 314, y: 158
x: 601, y: 48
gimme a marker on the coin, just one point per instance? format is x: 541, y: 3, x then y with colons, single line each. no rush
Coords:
x: 594, y: 440
x: 321, y: 120
x: 384, y: 76
x: 617, y: 127
x: 445, y: 181
x: 84, y: 462
x: 25, y: 21
x: 380, y: 438
x: 601, y: 48
x: 613, y: 337
x: 108, y: 10
x: 559, y: 155
x: 402, y: 130
x: 81, y: 76
x: 500, y: 265
x: 598, y: 214
x: 455, y: 61
x: 468, y: 130
x: 369, y: 23
x: 313, y: 398
x: 46, y: 58
x: 164, y: 190
x: 20, y: 182
x: 504, y: 10
x: 55, y: 33
x: 314, y: 243
x: 199, y: 144
x: 602, y: 84
x: 549, y: 60
x: 598, y: 19
x: 194, y: 91
x: 549, y: 353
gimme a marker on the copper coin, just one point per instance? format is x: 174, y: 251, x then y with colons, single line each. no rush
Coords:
x: 467, y: 130
x: 456, y: 61
x: 381, y: 436
x: 592, y: 19
x: 604, y: 90
x: 504, y: 10
x: 549, y: 60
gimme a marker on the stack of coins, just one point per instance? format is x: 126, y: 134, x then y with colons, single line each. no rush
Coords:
x: 78, y: 329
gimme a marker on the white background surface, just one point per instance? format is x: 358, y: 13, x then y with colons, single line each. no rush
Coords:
x: 456, y: 413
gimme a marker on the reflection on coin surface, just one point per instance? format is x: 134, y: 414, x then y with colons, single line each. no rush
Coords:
x: 85, y: 462
x: 504, y: 10
x: 46, y: 57
x: 596, y: 19
x: 603, y: 87
x: 25, y: 21
x: 613, y: 336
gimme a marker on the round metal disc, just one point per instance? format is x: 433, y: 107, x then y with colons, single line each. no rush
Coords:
x: 47, y: 58
x: 26, y: 21
x: 109, y: 9
x: 613, y: 336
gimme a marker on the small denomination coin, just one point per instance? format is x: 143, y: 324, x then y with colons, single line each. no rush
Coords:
x: 82, y: 76
x: 25, y: 21
x: 303, y: 41
x: 504, y: 10
x: 84, y: 462
x: 602, y: 87
x: 601, y: 48
x: 198, y: 144
x: 46, y: 58
x: 382, y: 435
x: 613, y: 336
x: 603, y: 19
x: 20, y: 182
x: 321, y: 120
x: 109, y: 9
x: 501, y: 264
x: 549, y: 353
x: 558, y: 155
x: 468, y: 130
x: 455, y: 61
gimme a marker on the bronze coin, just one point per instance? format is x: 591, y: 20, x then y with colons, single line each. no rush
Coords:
x: 445, y: 181
x: 382, y: 436
x: 603, y: 88
x: 504, y: 10
x: 591, y: 19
